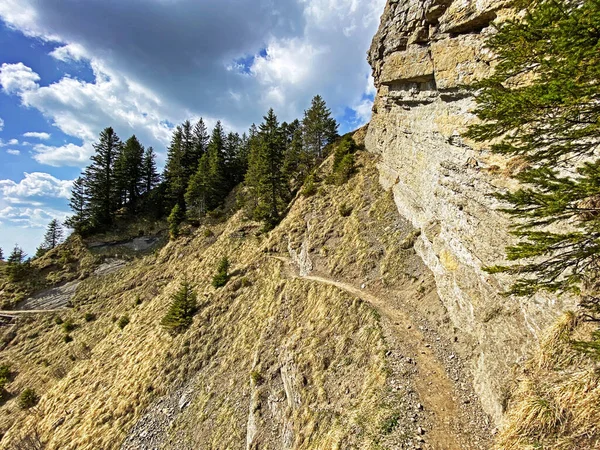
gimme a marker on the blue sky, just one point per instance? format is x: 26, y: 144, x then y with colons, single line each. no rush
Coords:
x: 70, y: 68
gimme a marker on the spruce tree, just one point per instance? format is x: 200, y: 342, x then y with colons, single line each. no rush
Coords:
x: 265, y: 178
x: 196, y: 196
x: 189, y: 157
x: 542, y: 105
x: 54, y: 236
x: 319, y: 127
x: 217, y: 188
x: 200, y: 139
x: 174, y: 173
x: 150, y: 176
x: 80, y: 205
x: 99, y: 178
x: 174, y: 220
x: 184, y: 305
x: 128, y: 173
x: 16, y: 267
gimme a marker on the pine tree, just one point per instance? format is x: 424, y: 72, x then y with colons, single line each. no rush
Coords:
x: 297, y: 162
x: 80, y: 205
x: 150, y: 176
x: 233, y: 159
x: 319, y: 127
x: 200, y: 139
x: 54, y: 236
x: 189, y: 157
x: 16, y: 267
x: 549, y: 119
x: 265, y: 178
x: 128, y: 173
x: 174, y: 173
x: 222, y: 276
x: 99, y: 178
x: 196, y: 196
x: 184, y: 305
x: 217, y: 189
x: 174, y: 220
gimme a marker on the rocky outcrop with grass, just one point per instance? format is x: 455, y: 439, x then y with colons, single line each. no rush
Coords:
x: 424, y: 58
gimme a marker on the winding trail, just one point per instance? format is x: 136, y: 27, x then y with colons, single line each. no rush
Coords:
x: 433, y: 386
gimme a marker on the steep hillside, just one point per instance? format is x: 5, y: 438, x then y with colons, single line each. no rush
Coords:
x: 328, y: 335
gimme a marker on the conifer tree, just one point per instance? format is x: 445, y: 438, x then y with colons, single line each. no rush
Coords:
x: 549, y: 119
x: 99, y: 178
x: 319, y: 127
x: 233, y: 160
x: 150, y: 177
x: 265, y: 175
x: 196, y: 196
x: 174, y: 220
x: 16, y: 268
x: 200, y: 139
x: 217, y: 188
x: 174, y: 173
x: 128, y: 173
x: 54, y: 236
x: 189, y: 157
x: 79, y: 204
x: 1, y: 255
x: 222, y: 276
x: 184, y: 305
x: 297, y: 161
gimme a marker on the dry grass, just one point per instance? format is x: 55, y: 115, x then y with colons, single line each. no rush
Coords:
x: 319, y: 351
x: 557, y: 403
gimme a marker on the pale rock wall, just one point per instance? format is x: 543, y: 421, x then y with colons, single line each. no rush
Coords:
x: 423, y: 55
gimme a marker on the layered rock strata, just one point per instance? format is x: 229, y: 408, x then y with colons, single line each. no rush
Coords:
x: 424, y: 57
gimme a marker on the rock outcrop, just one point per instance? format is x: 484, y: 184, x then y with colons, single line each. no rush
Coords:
x: 424, y: 56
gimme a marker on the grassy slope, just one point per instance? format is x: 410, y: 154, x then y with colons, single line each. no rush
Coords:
x: 96, y: 387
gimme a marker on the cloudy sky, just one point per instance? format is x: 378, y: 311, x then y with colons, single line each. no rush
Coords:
x: 69, y: 68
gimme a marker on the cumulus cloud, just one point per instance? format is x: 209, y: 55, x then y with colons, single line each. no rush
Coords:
x: 183, y: 62
x: 36, y: 184
x: 66, y: 155
x: 1, y: 124
x: 18, y: 78
x: 13, y: 152
x: 30, y: 217
x: 37, y: 135
x: 13, y: 142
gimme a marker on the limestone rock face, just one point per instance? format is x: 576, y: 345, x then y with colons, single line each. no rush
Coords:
x: 424, y: 55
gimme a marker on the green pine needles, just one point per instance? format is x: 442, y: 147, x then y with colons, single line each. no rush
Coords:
x: 184, y: 305
x: 542, y: 105
x: 222, y: 276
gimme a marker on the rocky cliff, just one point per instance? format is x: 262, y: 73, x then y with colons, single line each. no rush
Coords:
x: 424, y: 57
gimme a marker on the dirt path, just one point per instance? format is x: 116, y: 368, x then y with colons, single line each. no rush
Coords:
x: 435, y: 390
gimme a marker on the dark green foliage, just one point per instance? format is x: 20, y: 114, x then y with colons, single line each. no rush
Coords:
x: 5, y: 378
x: 343, y: 161
x: 184, y: 305
x: 345, y: 210
x: 551, y: 121
x: 28, y: 399
x: 174, y: 220
x: 222, y: 276
x: 319, y: 128
x: 174, y: 173
x: 309, y: 187
x: 68, y: 325
x: 129, y: 178
x: 80, y: 205
x: 196, y: 196
x: 89, y: 317
x: 67, y: 338
x: 150, y: 177
x: 100, y: 180
x: 58, y: 320
x: 123, y: 322
x: 53, y: 237
x: 16, y: 266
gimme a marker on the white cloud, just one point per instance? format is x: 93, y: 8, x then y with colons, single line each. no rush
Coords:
x: 1, y: 124
x: 36, y: 184
x: 30, y: 217
x: 69, y: 52
x: 18, y: 78
x: 13, y: 152
x: 66, y: 155
x: 13, y: 142
x: 37, y: 135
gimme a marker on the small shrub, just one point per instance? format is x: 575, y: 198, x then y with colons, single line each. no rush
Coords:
x: 222, y: 276
x: 28, y: 399
x: 58, y: 320
x: 89, y: 317
x: 138, y: 300
x: 5, y: 372
x: 68, y: 326
x: 345, y: 210
x: 183, y: 307
x: 256, y: 377
x: 174, y: 220
x: 343, y: 161
x: 68, y: 338
x: 390, y: 424
x: 208, y: 233
x: 309, y: 187
x: 123, y: 322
